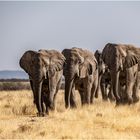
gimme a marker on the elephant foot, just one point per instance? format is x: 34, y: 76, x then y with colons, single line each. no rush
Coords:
x: 40, y: 114
x: 124, y: 101
x: 96, y: 95
x: 73, y: 107
x: 34, y: 102
x: 111, y: 98
x: 118, y: 102
x: 105, y: 97
x: 91, y: 102
x: 47, y: 112
x: 130, y: 100
x: 52, y: 106
x: 135, y: 100
x: 67, y: 107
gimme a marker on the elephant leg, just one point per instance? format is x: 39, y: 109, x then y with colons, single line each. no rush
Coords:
x: 42, y: 104
x: 110, y: 94
x: 82, y: 96
x: 98, y: 87
x: 54, y: 99
x: 46, y: 101
x: 94, y: 89
x: 88, y: 94
x: 136, y: 89
x: 130, y: 80
x: 88, y: 90
x: 120, y: 92
x: 92, y: 94
x: 31, y: 84
x: 104, y: 91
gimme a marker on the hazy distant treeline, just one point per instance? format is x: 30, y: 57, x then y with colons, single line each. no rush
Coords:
x: 14, y: 84
x: 17, y: 84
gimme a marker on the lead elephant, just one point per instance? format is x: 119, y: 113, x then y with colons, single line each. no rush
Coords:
x: 80, y: 71
x: 122, y: 58
x: 45, y: 69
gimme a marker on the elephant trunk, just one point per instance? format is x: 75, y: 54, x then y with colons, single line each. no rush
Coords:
x: 70, y: 74
x: 51, y: 75
x: 52, y: 91
x: 37, y: 89
x: 115, y: 83
x: 37, y: 84
x: 68, y: 90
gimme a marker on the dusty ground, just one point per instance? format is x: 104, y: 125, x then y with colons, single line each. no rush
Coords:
x: 99, y: 121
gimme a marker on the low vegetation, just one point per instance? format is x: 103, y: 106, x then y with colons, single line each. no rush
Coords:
x: 18, y: 84
x: 10, y: 85
x: 102, y: 120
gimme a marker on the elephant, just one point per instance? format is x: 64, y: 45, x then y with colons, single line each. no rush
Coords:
x: 45, y: 69
x: 81, y: 73
x: 106, y: 86
x: 123, y: 58
x: 101, y: 70
x: 104, y: 79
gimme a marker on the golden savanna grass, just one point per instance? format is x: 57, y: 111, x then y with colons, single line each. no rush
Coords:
x: 102, y: 120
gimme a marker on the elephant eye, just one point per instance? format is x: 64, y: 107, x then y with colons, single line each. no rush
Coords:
x: 79, y: 62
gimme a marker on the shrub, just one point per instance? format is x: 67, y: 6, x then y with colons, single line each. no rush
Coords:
x: 14, y: 86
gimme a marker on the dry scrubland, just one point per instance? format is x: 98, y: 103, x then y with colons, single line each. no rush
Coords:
x: 99, y: 121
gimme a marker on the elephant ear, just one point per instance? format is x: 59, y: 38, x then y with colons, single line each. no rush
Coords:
x: 131, y: 60
x: 98, y: 55
x: 53, y: 59
x: 27, y: 61
x: 89, y: 63
x: 86, y: 69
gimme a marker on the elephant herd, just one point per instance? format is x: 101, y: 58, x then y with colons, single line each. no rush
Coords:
x: 115, y: 72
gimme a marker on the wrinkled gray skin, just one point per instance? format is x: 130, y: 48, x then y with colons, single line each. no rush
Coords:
x: 45, y: 69
x: 104, y: 79
x: 80, y: 71
x: 123, y: 59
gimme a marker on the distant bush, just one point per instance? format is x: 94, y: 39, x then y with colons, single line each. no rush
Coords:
x: 19, y: 84
x: 14, y: 86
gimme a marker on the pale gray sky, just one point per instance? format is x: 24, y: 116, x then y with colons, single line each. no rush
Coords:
x: 59, y: 25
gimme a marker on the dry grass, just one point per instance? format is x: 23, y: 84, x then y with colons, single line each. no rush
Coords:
x: 102, y: 120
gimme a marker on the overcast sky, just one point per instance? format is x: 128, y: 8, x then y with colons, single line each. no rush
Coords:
x: 59, y: 25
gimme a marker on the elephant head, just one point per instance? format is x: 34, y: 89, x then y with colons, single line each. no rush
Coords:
x: 39, y: 66
x: 118, y: 58
x: 79, y: 64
